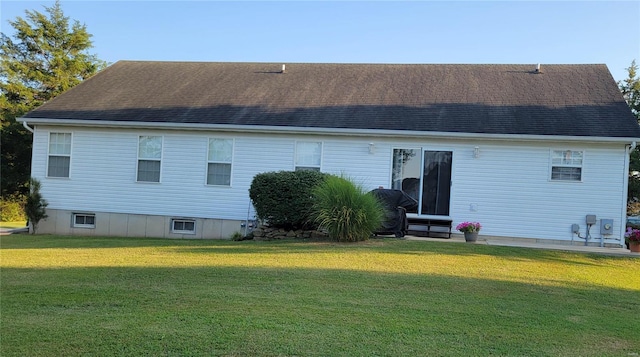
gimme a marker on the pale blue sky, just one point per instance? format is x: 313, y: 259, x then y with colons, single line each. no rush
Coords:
x: 358, y: 31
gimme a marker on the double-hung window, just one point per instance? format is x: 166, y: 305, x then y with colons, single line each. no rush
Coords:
x: 149, y: 158
x: 219, y: 160
x: 566, y: 165
x: 59, y: 155
x: 308, y: 155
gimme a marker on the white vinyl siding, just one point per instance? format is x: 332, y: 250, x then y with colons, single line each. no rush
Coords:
x: 566, y: 165
x: 308, y: 155
x: 59, y: 159
x: 149, y: 158
x: 507, y: 187
x: 219, y: 159
x: 514, y: 197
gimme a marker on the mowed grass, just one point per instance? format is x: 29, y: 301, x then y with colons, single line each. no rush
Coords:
x: 72, y: 296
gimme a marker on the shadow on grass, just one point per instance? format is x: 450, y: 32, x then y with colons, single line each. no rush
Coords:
x: 294, y: 311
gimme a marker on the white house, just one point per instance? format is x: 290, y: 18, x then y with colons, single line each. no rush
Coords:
x: 169, y: 149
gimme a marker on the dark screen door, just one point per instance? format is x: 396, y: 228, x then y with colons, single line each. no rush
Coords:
x: 436, y: 183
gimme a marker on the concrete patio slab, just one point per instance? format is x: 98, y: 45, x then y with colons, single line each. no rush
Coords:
x: 506, y: 242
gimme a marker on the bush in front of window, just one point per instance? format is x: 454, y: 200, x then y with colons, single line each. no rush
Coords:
x: 346, y: 211
x: 284, y: 198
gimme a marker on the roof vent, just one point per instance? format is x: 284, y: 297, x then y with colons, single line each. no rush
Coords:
x: 283, y: 69
x: 538, y: 68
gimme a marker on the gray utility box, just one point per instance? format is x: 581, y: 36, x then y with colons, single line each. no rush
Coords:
x: 606, y: 226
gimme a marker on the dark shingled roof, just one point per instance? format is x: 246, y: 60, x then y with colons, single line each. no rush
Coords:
x: 568, y: 100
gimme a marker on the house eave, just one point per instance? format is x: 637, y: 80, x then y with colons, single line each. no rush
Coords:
x: 266, y: 129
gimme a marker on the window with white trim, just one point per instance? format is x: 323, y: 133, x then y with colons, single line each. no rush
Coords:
x: 149, y: 158
x: 59, y: 155
x: 219, y: 160
x: 308, y: 155
x: 84, y: 220
x: 183, y: 226
x: 566, y: 165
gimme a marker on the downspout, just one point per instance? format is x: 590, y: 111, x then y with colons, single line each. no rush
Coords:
x: 24, y: 123
x: 625, y: 191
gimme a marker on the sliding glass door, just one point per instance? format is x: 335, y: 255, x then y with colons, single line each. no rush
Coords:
x: 425, y: 176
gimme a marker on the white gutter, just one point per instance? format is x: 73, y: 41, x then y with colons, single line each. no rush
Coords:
x: 24, y: 123
x: 272, y: 129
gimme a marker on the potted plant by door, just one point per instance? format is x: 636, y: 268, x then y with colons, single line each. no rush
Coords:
x: 632, y: 236
x: 470, y: 230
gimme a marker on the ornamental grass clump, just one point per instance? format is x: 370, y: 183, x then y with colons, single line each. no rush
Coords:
x: 345, y: 210
x: 469, y: 227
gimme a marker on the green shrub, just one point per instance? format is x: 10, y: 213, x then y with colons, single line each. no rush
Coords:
x: 12, y: 209
x: 345, y: 210
x: 35, y: 206
x: 237, y: 236
x: 284, y: 198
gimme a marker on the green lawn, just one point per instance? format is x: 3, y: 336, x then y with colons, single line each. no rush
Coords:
x: 71, y: 296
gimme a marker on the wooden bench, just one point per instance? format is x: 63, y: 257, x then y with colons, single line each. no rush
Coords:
x: 430, y: 227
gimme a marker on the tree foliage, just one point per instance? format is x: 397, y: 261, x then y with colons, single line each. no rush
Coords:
x: 46, y: 56
x: 35, y: 207
x: 630, y: 88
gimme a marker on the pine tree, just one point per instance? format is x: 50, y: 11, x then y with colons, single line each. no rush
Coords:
x: 46, y: 56
x: 630, y: 88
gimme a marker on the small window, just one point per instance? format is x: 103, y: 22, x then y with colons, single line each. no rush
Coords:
x: 219, y: 160
x: 59, y: 155
x: 184, y: 226
x: 566, y: 165
x: 308, y: 155
x: 84, y: 220
x: 149, y: 158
